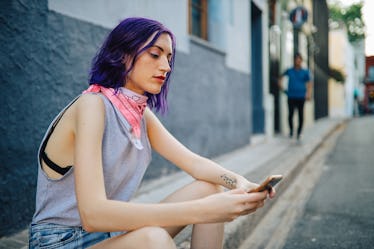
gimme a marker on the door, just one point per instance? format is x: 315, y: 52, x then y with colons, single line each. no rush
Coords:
x: 257, y: 70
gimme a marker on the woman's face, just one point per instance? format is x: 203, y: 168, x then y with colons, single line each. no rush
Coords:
x: 150, y: 68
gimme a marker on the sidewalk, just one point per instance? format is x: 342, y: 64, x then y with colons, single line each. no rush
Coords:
x: 278, y: 155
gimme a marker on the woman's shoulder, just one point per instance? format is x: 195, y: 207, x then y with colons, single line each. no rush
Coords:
x: 90, y: 103
x: 90, y: 100
x: 149, y: 115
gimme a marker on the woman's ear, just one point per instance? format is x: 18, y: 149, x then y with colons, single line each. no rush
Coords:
x: 125, y: 60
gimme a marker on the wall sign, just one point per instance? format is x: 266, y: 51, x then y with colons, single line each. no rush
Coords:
x: 298, y: 16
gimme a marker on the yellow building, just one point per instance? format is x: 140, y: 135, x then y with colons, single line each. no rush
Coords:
x: 338, y: 49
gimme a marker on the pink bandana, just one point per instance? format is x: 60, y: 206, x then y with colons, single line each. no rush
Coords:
x: 129, y: 103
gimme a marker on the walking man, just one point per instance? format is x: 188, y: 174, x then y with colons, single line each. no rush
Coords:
x: 299, y: 89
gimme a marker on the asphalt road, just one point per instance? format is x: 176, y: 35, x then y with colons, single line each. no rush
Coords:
x: 340, y: 210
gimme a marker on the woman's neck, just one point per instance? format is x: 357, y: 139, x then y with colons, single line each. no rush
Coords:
x: 138, y: 98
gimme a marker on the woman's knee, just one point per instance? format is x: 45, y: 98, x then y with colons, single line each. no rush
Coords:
x: 145, y: 238
x: 156, y: 237
x: 208, y: 188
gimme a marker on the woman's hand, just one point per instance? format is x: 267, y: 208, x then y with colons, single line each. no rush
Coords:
x: 246, y: 185
x: 229, y: 205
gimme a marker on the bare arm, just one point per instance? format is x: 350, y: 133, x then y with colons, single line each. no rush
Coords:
x: 100, y: 214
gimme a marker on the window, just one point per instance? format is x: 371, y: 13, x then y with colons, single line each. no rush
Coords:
x: 198, y: 10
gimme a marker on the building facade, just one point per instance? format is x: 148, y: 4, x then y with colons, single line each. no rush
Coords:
x: 348, y: 58
x: 368, y: 93
x: 340, y: 58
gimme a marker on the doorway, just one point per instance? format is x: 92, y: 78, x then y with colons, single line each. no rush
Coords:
x: 258, y: 114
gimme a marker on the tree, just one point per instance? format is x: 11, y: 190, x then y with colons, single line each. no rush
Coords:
x: 351, y: 16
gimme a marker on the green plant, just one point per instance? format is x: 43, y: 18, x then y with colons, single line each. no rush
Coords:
x: 351, y: 16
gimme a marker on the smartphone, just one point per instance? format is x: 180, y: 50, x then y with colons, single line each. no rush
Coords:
x: 269, y: 182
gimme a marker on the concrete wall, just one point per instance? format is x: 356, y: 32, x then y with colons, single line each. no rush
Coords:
x: 44, y: 63
x: 342, y: 57
x: 45, y: 59
x: 338, y: 44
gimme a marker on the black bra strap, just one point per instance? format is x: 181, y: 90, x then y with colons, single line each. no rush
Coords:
x: 52, y: 165
x: 43, y: 156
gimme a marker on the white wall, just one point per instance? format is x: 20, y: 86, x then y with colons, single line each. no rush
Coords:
x: 350, y: 79
x: 238, y: 37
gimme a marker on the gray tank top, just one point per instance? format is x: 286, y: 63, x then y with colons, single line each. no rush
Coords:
x: 124, y: 164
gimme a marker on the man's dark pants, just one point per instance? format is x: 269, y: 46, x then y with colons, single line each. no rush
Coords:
x: 299, y: 105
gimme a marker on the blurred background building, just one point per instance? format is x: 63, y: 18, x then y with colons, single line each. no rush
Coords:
x: 368, y: 90
x: 349, y: 58
x: 223, y: 93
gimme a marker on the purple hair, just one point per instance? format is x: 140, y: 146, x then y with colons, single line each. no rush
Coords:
x: 126, y: 41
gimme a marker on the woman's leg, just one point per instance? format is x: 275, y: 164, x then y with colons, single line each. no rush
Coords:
x: 145, y: 238
x: 203, y: 235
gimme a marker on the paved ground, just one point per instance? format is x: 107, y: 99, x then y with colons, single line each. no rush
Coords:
x: 272, y: 231
x: 330, y: 203
x: 340, y: 212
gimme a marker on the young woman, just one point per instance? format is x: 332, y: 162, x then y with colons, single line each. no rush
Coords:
x: 96, y: 151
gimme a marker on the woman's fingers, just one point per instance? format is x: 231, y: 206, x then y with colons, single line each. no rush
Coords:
x: 261, y: 204
x: 233, y: 203
x: 253, y: 202
x: 272, y: 193
x: 247, y: 203
x: 252, y: 207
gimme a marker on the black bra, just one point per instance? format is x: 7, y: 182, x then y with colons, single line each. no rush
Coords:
x: 52, y: 165
x: 43, y: 156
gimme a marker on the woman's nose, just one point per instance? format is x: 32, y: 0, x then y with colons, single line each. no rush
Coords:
x: 165, y: 66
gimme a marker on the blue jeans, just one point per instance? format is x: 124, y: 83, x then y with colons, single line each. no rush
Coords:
x: 46, y: 235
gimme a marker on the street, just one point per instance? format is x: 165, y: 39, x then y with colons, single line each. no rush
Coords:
x: 330, y: 204
x: 340, y: 211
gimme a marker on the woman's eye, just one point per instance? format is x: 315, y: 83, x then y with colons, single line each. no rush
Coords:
x: 154, y: 55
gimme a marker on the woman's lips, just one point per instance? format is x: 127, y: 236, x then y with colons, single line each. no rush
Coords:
x: 160, y: 79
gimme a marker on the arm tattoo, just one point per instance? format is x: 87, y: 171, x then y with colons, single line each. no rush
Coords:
x: 231, y: 182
